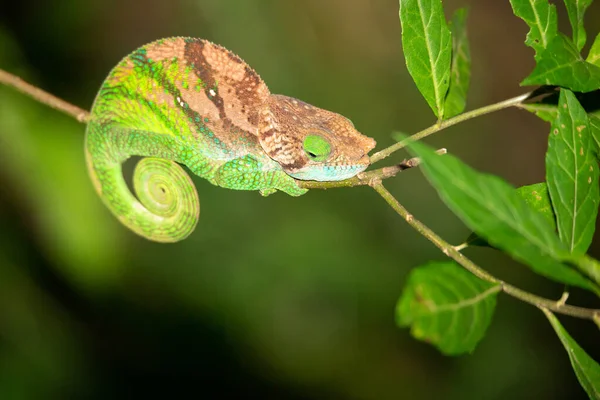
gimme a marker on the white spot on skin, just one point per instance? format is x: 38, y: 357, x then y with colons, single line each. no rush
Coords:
x: 212, y: 92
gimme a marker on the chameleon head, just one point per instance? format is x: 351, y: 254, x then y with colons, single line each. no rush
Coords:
x: 311, y: 143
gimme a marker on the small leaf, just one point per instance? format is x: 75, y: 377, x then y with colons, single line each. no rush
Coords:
x: 536, y: 196
x: 549, y: 111
x: 561, y: 64
x: 447, y: 306
x: 586, y: 369
x: 427, y: 45
x: 576, y: 10
x: 540, y: 16
x: 546, y: 112
x: 594, y: 54
x: 460, y: 71
x: 572, y: 174
x: 492, y: 208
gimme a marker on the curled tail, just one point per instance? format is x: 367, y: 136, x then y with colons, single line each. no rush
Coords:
x: 167, y: 207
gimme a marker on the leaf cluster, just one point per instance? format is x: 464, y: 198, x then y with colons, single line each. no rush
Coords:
x: 546, y: 226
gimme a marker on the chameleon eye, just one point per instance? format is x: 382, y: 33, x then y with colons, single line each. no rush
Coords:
x: 316, y: 148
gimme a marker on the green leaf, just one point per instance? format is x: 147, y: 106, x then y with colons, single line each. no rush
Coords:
x: 572, y: 174
x: 536, y: 196
x: 492, y: 208
x: 595, y: 127
x: 427, y: 45
x: 562, y: 65
x: 460, y: 71
x: 447, y: 306
x: 594, y: 54
x: 586, y: 369
x: 547, y: 112
x: 576, y: 10
x: 588, y: 265
x: 540, y: 16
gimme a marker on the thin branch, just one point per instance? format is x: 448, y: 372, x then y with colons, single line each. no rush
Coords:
x: 380, y: 155
x: 450, y: 251
x: 366, y: 178
x: 43, y: 96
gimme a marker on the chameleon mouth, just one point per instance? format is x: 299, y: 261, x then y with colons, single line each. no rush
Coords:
x: 331, y: 172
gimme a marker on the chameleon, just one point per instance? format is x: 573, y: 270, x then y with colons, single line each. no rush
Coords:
x: 187, y: 101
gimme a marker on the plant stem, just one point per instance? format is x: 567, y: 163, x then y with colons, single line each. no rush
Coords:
x: 43, y: 96
x: 452, y: 252
x: 365, y: 178
x: 380, y: 155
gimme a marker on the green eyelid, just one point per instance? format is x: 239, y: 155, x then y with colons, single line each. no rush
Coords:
x: 316, y: 147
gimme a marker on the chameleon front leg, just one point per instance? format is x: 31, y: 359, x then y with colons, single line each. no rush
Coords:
x: 246, y: 173
x: 168, y: 207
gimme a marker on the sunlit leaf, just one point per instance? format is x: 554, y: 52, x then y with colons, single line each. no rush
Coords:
x: 576, y: 10
x: 594, y: 54
x: 562, y: 65
x: 447, y: 306
x: 492, y: 208
x: 586, y: 369
x: 540, y: 16
x: 572, y: 174
x: 460, y: 72
x: 427, y: 46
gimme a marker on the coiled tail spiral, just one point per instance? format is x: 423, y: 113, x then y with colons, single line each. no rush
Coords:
x: 167, y: 192
x: 167, y: 208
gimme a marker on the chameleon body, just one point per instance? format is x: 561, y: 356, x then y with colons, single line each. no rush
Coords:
x: 188, y: 101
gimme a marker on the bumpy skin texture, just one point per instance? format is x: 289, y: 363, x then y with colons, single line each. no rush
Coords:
x: 188, y: 101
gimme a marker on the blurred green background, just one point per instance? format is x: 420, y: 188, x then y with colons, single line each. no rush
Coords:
x: 273, y: 298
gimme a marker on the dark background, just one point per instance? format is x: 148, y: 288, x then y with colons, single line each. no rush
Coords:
x: 273, y: 298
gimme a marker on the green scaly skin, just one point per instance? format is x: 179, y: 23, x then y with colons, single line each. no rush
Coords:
x: 170, y: 102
